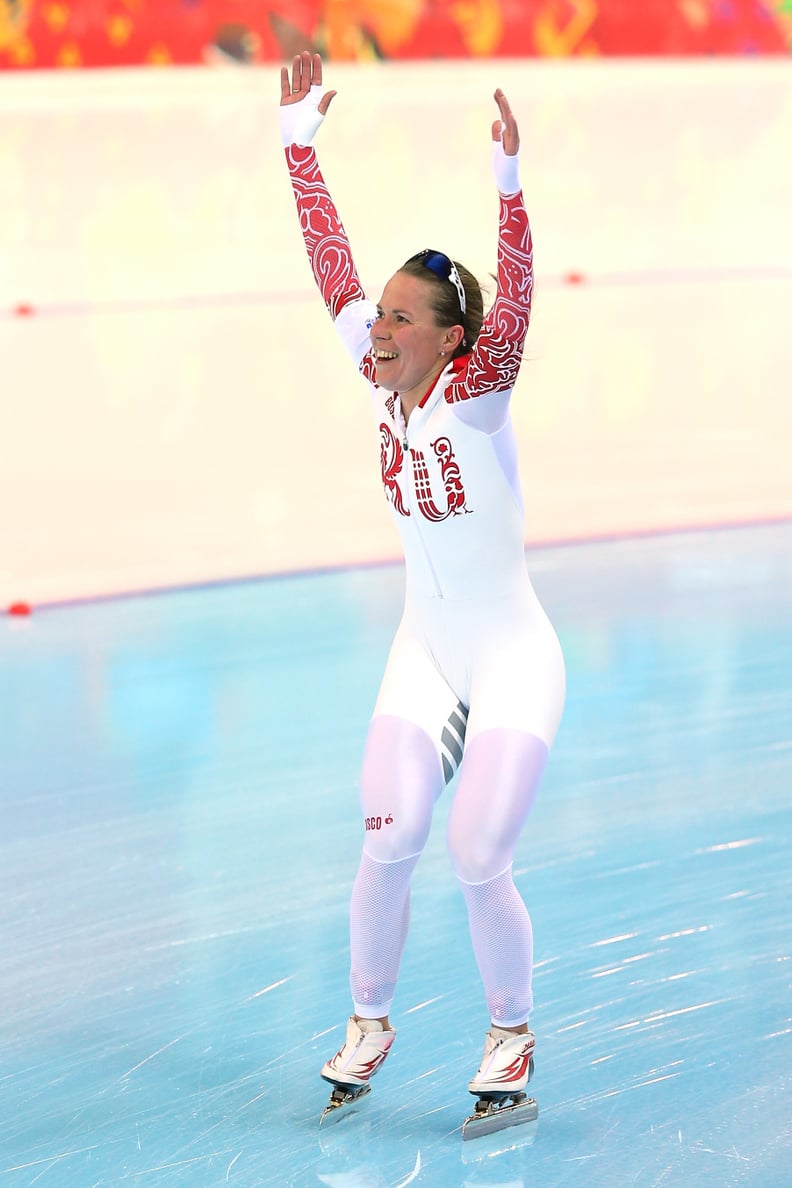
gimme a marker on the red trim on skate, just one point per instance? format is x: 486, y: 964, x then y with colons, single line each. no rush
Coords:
x: 516, y: 1070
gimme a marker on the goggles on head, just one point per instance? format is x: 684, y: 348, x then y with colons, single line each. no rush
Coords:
x: 444, y: 267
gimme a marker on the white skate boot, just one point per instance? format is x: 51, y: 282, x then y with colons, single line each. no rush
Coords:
x: 506, y: 1068
x: 355, y: 1063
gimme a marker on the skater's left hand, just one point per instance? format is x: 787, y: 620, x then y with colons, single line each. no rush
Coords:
x: 505, y: 129
x: 505, y: 147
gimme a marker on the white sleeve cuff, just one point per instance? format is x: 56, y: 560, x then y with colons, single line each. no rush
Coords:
x: 506, y: 170
x: 299, y: 122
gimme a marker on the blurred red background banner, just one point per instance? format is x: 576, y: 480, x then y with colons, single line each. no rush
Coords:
x: 46, y: 34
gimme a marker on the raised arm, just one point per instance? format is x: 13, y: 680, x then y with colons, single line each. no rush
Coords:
x: 303, y: 107
x: 497, y: 353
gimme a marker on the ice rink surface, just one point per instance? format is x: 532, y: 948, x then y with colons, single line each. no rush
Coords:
x: 180, y: 833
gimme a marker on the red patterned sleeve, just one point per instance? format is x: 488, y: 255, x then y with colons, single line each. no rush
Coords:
x: 325, y: 238
x: 497, y: 354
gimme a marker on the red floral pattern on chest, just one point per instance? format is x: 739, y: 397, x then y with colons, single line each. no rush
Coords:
x: 392, y: 460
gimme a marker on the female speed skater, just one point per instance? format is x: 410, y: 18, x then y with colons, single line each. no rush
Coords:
x: 474, y: 683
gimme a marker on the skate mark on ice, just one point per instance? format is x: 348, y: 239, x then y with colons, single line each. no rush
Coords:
x: 231, y: 1164
x: 422, y: 1076
x: 267, y: 989
x: 50, y: 1160
x: 327, y: 1031
x: 416, y: 1171
x: 158, y: 1052
x: 613, y: 940
x: 685, y: 932
x: 699, y: 1006
x: 571, y: 1026
x: 605, y: 971
x: 732, y: 845
x: 182, y: 941
x: 420, y: 1005
x: 181, y: 1163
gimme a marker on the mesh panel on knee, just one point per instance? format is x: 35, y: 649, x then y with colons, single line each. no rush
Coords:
x: 502, y: 936
x: 379, y: 921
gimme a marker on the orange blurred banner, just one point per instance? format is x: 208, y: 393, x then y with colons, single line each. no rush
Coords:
x: 47, y: 34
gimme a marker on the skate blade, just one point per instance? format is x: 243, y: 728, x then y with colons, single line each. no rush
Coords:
x: 343, y: 1100
x: 490, y: 1118
x: 501, y: 1143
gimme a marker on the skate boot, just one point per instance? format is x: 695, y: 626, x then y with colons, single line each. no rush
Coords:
x: 506, y: 1068
x: 354, y: 1064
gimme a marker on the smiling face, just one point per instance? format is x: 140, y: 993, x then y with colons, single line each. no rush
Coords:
x: 409, y: 346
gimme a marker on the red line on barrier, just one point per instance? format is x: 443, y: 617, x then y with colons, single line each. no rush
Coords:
x: 537, y: 544
x: 188, y: 302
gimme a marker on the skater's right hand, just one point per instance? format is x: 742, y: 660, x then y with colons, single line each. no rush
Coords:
x: 302, y: 104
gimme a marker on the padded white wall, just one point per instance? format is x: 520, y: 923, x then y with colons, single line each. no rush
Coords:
x: 174, y: 406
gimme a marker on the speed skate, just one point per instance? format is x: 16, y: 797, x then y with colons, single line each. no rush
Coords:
x: 342, y: 1101
x: 506, y: 1068
x: 499, y: 1085
x: 363, y: 1052
x: 492, y: 1114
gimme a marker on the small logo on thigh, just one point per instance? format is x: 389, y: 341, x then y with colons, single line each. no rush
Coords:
x: 374, y: 823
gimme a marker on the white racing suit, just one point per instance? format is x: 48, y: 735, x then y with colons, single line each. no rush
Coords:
x: 475, y: 669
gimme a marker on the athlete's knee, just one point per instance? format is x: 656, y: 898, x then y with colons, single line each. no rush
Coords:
x: 399, y: 783
x: 500, y: 775
x: 481, y: 857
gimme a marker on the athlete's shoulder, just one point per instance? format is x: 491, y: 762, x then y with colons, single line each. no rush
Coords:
x: 456, y: 380
x: 352, y: 324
